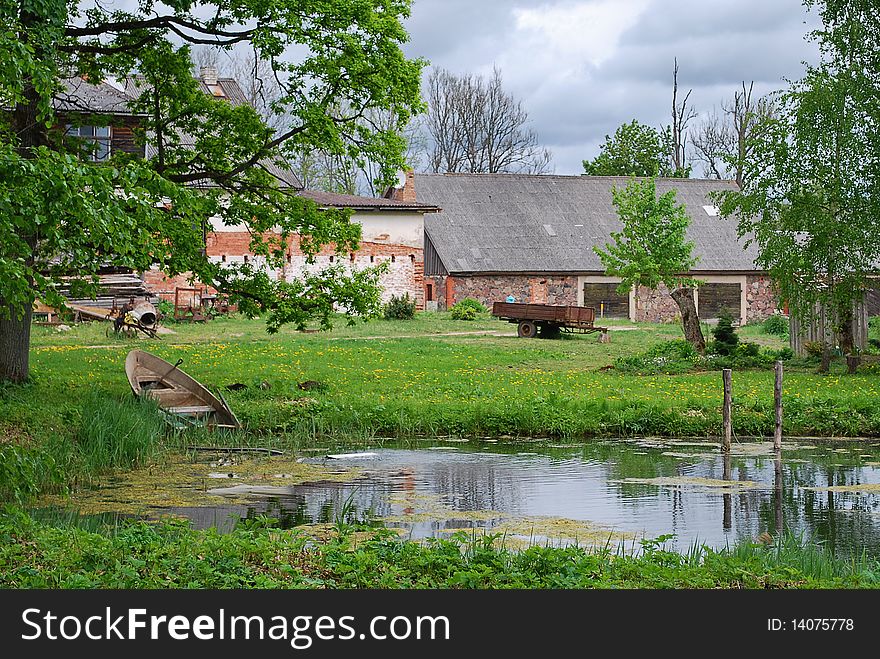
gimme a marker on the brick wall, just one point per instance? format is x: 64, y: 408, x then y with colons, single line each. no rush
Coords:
x: 489, y: 289
x: 654, y: 305
x: 163, y: 287
x: 404, y: 275
x: 761, y: 299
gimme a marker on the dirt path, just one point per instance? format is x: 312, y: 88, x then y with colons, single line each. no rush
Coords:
x: 339, y: 338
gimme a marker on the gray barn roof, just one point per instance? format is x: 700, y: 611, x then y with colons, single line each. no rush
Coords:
x: 541, y: 223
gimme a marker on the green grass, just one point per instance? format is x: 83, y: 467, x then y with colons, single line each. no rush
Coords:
x: 40, y: 554
x: 428, y: 376
x: 416, y: 381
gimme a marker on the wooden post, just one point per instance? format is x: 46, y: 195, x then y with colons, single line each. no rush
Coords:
x: 777, y: 397
x: 726, y: 375
x: 727, y: 521
x: 777, y: 492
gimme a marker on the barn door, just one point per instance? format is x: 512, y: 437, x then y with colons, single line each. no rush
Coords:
x: 605, y: 299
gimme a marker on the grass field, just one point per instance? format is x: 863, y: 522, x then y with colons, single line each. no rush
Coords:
x: 437, y: 376
x: 76, y: 421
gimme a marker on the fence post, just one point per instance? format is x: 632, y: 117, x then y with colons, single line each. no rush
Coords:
x: 727, y: 377
x: 777, y: 399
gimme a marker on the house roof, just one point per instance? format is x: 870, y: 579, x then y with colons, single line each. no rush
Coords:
x: 542, y: 223
x: 79, y: 95
x: 84, y: 96
x: 334, y: 200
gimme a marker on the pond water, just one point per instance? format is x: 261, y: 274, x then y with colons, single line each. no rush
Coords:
x: 593, y: 493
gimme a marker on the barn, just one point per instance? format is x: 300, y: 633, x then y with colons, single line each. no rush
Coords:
x: 532, y: 237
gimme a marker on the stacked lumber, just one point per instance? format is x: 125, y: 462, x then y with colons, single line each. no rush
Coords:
x: 113, y: 288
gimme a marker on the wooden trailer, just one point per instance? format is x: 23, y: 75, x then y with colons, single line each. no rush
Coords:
x: 547, y: 320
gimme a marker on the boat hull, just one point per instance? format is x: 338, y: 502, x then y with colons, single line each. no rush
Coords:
x: 176, y: 392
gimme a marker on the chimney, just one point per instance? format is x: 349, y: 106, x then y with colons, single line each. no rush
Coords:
x: 406, y: 192
x: 209, y: 75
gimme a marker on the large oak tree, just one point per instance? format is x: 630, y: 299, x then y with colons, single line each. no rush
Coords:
x: 64, y: 216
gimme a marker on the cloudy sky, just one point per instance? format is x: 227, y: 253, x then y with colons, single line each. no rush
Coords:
x: 583, y: 67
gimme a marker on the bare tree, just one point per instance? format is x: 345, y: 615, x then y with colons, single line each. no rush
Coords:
x: 712, y: 140
x: 724, y: 143
x: 681, y: 117
x: 258, y: 81
x: 319, y: 169
x: 475, y: 126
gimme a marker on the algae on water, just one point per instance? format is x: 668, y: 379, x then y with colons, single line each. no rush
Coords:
x: 179, y: 481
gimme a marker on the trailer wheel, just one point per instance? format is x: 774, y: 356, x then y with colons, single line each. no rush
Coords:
x: 526, y: 329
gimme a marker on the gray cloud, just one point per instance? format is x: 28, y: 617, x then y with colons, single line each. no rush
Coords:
x: 576, y: 92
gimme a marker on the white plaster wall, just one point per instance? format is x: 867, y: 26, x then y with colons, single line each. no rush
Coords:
x: 389, y: 228
x: 396, y: 228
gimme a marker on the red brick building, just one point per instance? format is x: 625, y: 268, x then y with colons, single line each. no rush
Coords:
x: 392, y: 230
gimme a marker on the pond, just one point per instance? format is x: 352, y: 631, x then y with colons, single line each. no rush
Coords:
x: 595, y: 493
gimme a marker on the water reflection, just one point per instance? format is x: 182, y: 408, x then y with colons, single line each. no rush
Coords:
x: 427, y: 492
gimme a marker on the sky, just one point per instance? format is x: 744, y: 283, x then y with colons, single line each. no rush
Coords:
x: 583, y: 67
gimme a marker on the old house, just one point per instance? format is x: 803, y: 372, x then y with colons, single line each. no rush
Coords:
x: 392, y: 230
x: 532, y: 237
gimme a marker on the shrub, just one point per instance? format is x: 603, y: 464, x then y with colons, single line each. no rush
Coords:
x: 165, y: 308
x: 746, y: 349
x: 725, y: 335
x: 400, y: 308
x: 784, y: 353
x: 676, y: 349
x: 776, y: 324
x: 467, y: 309
x: 813, y: 348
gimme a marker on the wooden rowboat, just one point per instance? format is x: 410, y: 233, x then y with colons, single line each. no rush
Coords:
x: 177, y: 393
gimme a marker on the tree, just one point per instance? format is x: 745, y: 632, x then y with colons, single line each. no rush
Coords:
x: 677, y: 131
x: 475, y: 126
x: 635, y: 150
x: 653, y: 249
x: 63, y: 215
x: 723, y: 143
x: 811, y: 190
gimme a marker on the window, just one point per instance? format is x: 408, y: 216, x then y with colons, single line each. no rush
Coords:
x: 331, y: 258
x: 392, y: 258
x: 429, y: 292
x: 96, y: 140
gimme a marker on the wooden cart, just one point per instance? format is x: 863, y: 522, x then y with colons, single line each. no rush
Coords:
x: 547, y: 320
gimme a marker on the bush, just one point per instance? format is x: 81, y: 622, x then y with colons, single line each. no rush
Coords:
x: 165, y: 308
x: 676, y: 356
x: 747, y: 349
x: 776, y: 324
x: 676, y: 349
x: 813, y: 348
x: 784, y: 353
x: 725, y: 335
x: 400, y: 308
x: 467, y: 309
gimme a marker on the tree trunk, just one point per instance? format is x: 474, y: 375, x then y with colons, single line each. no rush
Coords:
x: 844, y: 318
x: 15, y: 338
x: 825, y: 364
x: 31, y: 130
x: 690, y: 321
